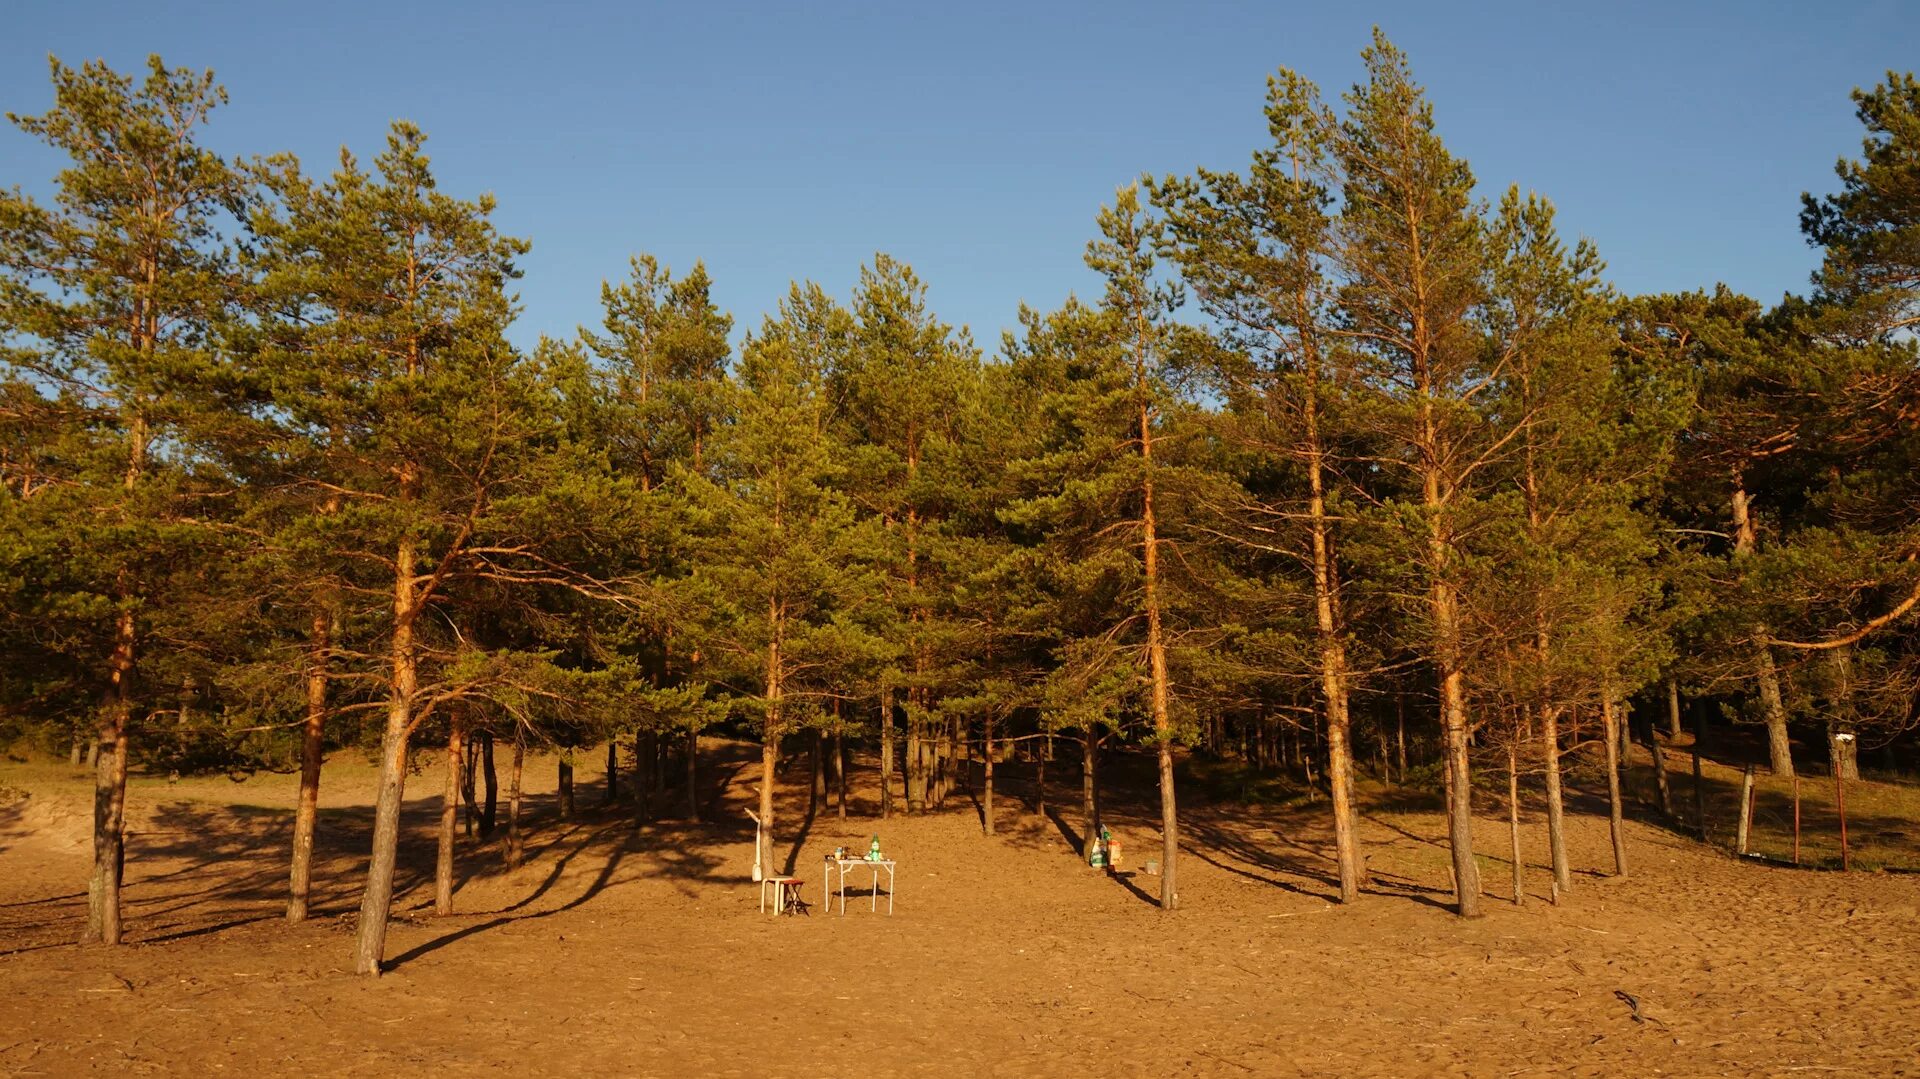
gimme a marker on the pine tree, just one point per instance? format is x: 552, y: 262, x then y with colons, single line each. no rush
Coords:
x: 1410, y: 250
x: 1255, y: 250
x: 112, y: 292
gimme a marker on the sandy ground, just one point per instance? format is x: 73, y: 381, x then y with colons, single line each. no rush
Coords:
x: 616, y: 951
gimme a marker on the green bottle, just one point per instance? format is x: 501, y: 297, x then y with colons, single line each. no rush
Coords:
x: 873, y: 851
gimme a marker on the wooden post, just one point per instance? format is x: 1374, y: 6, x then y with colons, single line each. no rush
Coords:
x: 1746, y: 808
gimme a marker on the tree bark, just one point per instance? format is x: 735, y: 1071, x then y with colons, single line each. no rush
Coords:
x: 1616, y: 828
x: 469, y: 776
x: 612, y: 790
x: 693, y: 776
x: 1660, y: 772
x: 840, y: 769
x: 566, y: 783
x: 375, y: 903
x: 1844, y: 752
x: 1161, y: 689
x: 1673, y: 709
x: 1556, y: 806
x: 817, y: 782
x: 1513, y: 825
x: 986, y: 777
x: 516, y: 839
x: 449, y: 811
x: 1040, y: 778
x: 643, y: 768
x: 886, y: 753
x: 1773, y: 709
x: 1089, y: 789
x: 770, y: 736
x: 489, y: 785
x: 312, y: 744
x: 110, y: 789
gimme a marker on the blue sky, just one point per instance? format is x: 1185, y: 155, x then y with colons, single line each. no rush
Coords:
x: 976, y: 141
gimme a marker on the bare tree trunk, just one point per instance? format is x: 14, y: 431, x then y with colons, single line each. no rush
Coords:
x: 770, y: 737
x: 886, y: 753
x: 817, y: 782
x: 490, y: 786
x: 516, y: 839
x: 916, y: 759
x: 1772, y: 708
x: 1513, y: 824
x: 986, y: 777
x: 449, y: 811
x: 110, y: 790
x: 312, y: 744
x: 612, y: 790
x: 1556, y: 806
x: 76, y: 750
x: 840, y: 771
x: 1660, y: 772
x: 375, y: 903
x: 1089, y: 789
x: 1400, y: 722
x: 643, y: 762
x: 693, y: 776
x: 1673, y: 709
x: 1843, y: 749
x: 1040, y: 777
x: 1616, y: 827
x: 469, y: 776
x: 566, y: 783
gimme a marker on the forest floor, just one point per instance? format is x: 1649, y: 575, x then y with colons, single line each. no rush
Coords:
x: 643, y: 952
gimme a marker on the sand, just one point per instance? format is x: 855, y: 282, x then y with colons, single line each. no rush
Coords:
x: 643, y: 952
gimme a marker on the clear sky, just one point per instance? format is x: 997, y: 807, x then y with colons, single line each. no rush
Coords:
x: 782, y: 141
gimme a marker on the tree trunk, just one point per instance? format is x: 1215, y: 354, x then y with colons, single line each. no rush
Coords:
x: 1616, y: 827
x: 986, y: 776
x: 1040, y: 779
x: 566, y: 783
x: 1513, y: 825
x: 840, y: 771
x: 1556, y: 806
x: 886, y: 753
x: 1660, y: 772
x: 370, y: 947
x: 469, y: 777
x: 312, y: 743
x: 1699, y: 783
x: 1843, y: 749
x: 612, y: 790
x: 516, y: 839
x: 1089, y: 789
x: 110, y: 790
x: 1673, y: 709
x: 449, y: 811
x: 1773, y: 710
x: 1161, y: 698
x: 817, y: 782
x: 693, y: 776
x: 643, y: 761
x: 1400, y: 737
x: 770, y: 738
x: 1466, y: 871
x: 916, y: 760
x: 489, y: 785
x: 76, y: 750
